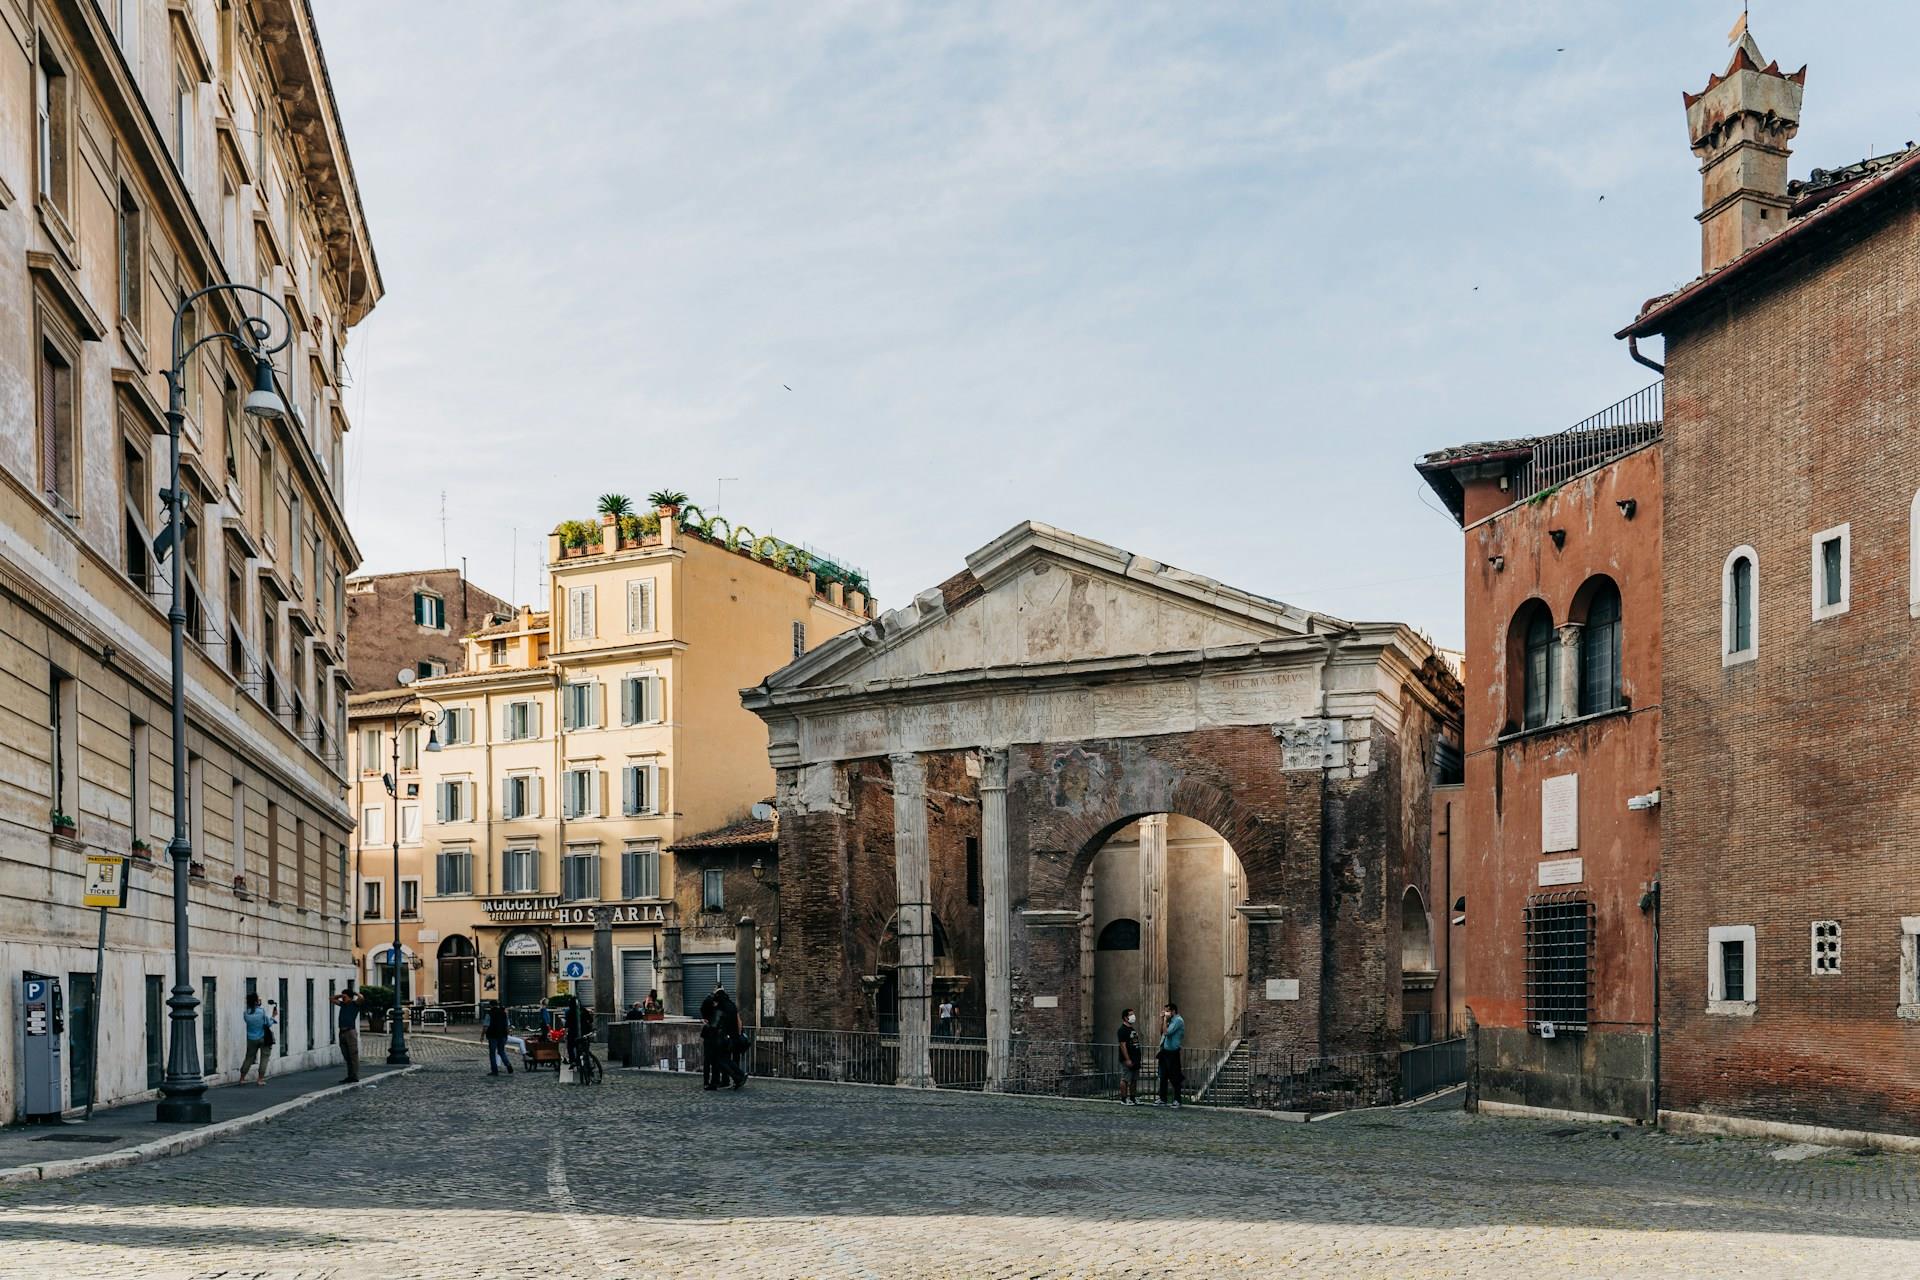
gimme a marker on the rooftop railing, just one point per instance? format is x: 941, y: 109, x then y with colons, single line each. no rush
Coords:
x: 1618, y: 429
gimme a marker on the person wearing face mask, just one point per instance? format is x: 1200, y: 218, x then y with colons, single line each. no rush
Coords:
x: 1129, y: 1059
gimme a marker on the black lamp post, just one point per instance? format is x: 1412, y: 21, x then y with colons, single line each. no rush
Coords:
x: 429, y: 714
x: 183, y: 1089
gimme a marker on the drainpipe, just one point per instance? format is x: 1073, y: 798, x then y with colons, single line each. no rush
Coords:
x: 1633, y: 349
x: 1650, y: 901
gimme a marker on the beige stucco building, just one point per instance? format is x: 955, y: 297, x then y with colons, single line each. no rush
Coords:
x: 147, y: 150
x: 579, y: 743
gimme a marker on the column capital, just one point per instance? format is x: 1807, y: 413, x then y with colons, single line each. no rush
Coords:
x: 993, y: 769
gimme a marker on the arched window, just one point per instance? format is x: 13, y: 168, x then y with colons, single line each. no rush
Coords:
x: 1739, y: 591
x: 1535, y: 628
x: 1119, y: 935
x: 1600, y: 651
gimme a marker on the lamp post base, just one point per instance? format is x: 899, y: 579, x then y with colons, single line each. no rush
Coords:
x: 398, y: 1058
x: 184, y: 1111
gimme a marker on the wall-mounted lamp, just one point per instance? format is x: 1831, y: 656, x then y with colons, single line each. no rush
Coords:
x: 1559, y: 537
x: 1499, y: 563
x: 1627, y: 507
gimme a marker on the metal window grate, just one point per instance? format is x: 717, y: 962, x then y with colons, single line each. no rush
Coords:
x: 1559, y: 935
x: 1826, y: 946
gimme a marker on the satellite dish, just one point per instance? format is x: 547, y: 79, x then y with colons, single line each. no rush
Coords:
x: 763, y: 813
x: 406, y: 675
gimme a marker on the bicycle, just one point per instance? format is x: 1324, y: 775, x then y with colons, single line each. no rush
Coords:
x: 586, y: 1066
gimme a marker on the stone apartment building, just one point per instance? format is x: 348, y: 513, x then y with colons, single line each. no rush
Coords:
x: 1556, y: 849
x: 1789, y: 642
x: 414, y: 621
x: 147, y: 150
x: 1071, y: 778
x: 579, y: 743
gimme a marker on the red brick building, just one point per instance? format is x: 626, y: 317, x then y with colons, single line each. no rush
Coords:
x: 1558, y: 838
x: 415, y: 619
x: 1790, y: 630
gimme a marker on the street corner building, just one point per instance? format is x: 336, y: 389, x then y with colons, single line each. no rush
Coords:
x: 1790, y: 628
x: 1072, y: 779
x: 1555, y: 830
x: 161, y: 149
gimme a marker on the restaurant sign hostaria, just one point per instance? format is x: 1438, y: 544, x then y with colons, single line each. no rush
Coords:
x: 550, y: 910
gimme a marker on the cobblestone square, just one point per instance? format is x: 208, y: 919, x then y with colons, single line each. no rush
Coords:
x: 448, y: 1172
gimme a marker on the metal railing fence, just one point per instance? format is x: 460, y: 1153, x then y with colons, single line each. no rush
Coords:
x: 1616, y: 429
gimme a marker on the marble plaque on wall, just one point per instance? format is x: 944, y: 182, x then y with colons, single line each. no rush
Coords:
x: 1283, y: 988
x: 1562, y: 871
x: 1560, y: 813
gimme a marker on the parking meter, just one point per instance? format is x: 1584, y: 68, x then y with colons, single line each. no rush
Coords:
x: 43, y: 1024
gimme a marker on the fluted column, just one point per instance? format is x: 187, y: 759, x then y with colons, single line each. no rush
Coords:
x: 1153, y: 916
x: 913, y: 928
x: 998, y: 921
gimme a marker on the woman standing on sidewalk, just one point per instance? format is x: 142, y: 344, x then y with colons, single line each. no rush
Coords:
x: 260, y: 1023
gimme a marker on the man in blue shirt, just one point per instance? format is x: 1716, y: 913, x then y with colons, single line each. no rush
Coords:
x: 348, y: 1004
x: 259, y: 1022
x: 1173, y: 1034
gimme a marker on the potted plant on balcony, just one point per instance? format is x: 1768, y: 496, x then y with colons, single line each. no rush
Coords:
x: 635, y: 529
x: 240, y: 888
x: 612, y: 506
x: 576, y: 536
x: 197, y: 870
x: 667, y: 501
x: 63, y: 825
x: 142, y: 850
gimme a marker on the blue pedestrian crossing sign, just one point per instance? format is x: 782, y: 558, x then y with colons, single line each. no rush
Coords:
x: 576, y: 963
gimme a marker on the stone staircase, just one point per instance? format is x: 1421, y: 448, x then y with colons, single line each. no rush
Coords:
x: 1232, y: 1084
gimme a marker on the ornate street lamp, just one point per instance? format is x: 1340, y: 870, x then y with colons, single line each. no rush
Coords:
x: 183, y: 1089
x: 429, y: 714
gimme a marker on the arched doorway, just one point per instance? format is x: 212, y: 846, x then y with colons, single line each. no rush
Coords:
x: 1417, y: 973
x: 523, y: 970
x: 381, y: 971
x: 885, y: 981
x: 1194, y: 953
x: 455, y: 978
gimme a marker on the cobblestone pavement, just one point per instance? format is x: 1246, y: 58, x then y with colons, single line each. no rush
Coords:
x: 449, y: 1172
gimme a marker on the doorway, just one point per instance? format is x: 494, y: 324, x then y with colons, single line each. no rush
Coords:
x: 81, y: 993
x: 523, y: 970
x: 455, y: 982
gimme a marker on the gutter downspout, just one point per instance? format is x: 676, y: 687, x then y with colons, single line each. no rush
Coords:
x: 1653, y: 1084
x: 1633, y: 349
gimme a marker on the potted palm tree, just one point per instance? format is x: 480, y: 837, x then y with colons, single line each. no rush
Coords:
x: 667, y: 501
x: 612, y: 506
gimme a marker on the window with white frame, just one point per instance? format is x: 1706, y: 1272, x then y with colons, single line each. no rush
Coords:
x: 640, y: 871
x: 373, y: 825
x: 580, y: 613
x: 640, y: 606
x: 429, y: 610
x: 1739, y: 608
x: 520, y: 871
x: 427, y: 668
x: 410, y: 898
x: 520, y: 720
x: 183, y: 121
x: 520, y: 796
x: 371, y: 754
x: 1909, y: 1007
x: 1832, y: 571
x: 496, y: 653
x: 410, y: 823
x: 453, y: 800
x: 580, y: 704
x: 1732, y: 970
x: 580, y: 873
x: 640, y: 790
x: 640, y: 700
x: 456, y: 727
x: 453, y: 873
x: 371, y: 892
x: 1824, y: 956
x: 410, y: 748
x: 580, y: 793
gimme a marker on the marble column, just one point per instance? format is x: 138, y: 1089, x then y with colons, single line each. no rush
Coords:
x: 998, y: 914
x: 1566, y: 674
x: 604, y: 974
x: 913, y: 926
x: 1153, y: 917
x: 668, y: 973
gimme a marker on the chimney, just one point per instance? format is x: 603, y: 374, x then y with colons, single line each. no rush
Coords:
x: 1739, y: 126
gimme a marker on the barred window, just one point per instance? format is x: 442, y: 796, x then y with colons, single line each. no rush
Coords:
x: 1559, y: 935
x: 1826, y: 946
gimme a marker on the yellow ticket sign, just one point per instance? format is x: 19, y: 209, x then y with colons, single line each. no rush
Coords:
x: 106, y: 880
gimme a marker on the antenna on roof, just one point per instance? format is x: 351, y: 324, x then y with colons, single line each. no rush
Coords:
x: 443, y: 526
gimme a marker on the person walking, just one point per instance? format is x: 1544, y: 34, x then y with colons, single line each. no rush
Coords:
x: 731, y: 1041
x: 1129, y: 1039
x: 947, y: 1015
x: 710, y: 1039
x: 495, y: 1029
x: 348, y: 1003
x: 259, y: 1020
x: 1173, y: 1034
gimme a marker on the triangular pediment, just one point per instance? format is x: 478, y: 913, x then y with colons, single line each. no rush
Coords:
x: 1037, y: 597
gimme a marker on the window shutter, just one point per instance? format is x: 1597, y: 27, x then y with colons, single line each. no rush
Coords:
x: 533, y: 796
x: 506, y: 721
x: 629, y: 798
x: 440, y: 801
x: 657, y: 789
x: 629, y: 701
x: 656, y: 700
x: 440, y: 874
x: 533, y: 719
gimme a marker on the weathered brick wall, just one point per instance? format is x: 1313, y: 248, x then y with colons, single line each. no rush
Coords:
x: 1791, y: 791
x: 382, y: 636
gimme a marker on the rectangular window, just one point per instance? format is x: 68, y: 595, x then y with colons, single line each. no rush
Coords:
x: 156, y: 1034
x: 63, y: 726
x: 410, y: 749
x: 1825, y: 947
x: 409, y: 898
x: 209, y: 1025
x: 132, y: 260
x: 53, y: 130
x: 580, y: 793
x: 640, y: 790
x: 453, y: 873
x: 59, y: 475
x: 429, y: 611
x: 713, y: 890
x: 580, y: 613
x: 640, y: 698
x: 373, y: 826
x: 1832, y: 571
x: 799, y: 638
x: 521, y: 874
x: 139, y: 779
x: 456, y: 727
x: 370, y: 898
x: 1559, y: 942
x: 183, y: 122
x: 332, y: 1020
x: 410, y: 824
x: 580, y: 704
x: 580, y: 876
x: 497, y: 653
x: 520, y: 796
x: 281, y: 1013
x: 451, y: 803
x: 520, y: 721
x: 273, y: 852
x: 640, y: 606
x: 136, y: 489
x: 1909, y: 1006
x: 309, y: 1014
x: 640, y: 872
x: 1731, y: 965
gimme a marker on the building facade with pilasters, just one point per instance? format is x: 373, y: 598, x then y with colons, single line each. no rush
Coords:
x: 1071, y: 778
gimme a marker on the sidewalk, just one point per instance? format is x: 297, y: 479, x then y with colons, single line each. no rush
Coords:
x: 128, y: 1134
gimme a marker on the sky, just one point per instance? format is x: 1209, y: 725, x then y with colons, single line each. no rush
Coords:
x: 1199, y: 280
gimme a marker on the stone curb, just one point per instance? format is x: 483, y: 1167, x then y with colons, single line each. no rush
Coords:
x: 175, y: 1144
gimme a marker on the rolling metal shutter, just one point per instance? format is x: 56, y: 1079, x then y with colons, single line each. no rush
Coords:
x: 699, y: 975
